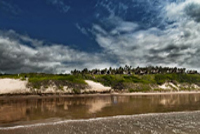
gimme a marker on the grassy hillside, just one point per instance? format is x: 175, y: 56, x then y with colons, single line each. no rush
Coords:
x: 143, y: 82
x: 36, y: 81
x: 117, y: 81
x: 180, y: 78
x: 133, y: 83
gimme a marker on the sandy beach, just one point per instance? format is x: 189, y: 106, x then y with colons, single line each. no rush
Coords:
x: 163, y: 123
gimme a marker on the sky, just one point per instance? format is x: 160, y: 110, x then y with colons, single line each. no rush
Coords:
x: 57, y: 36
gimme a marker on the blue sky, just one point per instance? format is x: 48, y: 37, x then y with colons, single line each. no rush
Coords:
x: 56, y: 36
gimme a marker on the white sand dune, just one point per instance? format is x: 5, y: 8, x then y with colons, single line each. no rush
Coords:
x: 97, y: 87
x: 16, y: 86
x: 11, y: 86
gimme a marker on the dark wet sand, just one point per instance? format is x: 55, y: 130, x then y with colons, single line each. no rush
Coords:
x: 167, y: 123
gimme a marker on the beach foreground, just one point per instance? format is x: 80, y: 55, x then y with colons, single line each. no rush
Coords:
x: 165, y: 123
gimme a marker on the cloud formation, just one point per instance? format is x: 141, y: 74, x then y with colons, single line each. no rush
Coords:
x: 173, y: 43
x: 193, y: 10
x: 17, y: 57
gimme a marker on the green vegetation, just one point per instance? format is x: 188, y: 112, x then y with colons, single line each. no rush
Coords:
x: 36, y: 81
x: 144, y: 83
x: 71, y: 81
x: 116, y: 81
x: 12, y: 76
x: 180, y: 78
x: 128, y: 82
x: 44, y: 77
x: 111, y: 80
x: 134, y: 83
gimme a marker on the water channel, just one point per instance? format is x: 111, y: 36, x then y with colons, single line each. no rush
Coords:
x: 20, y: 111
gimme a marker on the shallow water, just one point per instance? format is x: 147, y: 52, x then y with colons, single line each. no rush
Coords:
x: 14, y: 112
x: 164, y: 123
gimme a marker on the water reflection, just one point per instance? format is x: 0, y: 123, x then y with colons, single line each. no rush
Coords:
x: 12, y: 111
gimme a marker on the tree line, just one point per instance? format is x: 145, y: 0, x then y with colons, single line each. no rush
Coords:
x: 138, y: 70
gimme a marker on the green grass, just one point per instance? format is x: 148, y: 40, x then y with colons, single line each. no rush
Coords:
x: 36, y: 81
x: 39, y: 80
x: 69, y: 78
x: 180, y: 78
x: 11, y: 76
x: 131, y: 82
x: 150, y: 78
x: 121, y: 81
x: 116, y: 81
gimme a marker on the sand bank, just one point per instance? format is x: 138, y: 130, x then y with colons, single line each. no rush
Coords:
x: 97, y: 87
x: 12, y: 86
x: 16, y: 86
x: 19, y: 87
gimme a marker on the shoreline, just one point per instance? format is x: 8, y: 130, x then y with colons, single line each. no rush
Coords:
x: 180, y: 122
x: 47, y: 95
x: 97, y: 119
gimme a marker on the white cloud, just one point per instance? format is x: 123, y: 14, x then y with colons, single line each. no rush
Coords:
x: 81, y: 29
x: 176, y: 45
x: 122, y: 26
x: 15, y: 56
x: 179, y: 11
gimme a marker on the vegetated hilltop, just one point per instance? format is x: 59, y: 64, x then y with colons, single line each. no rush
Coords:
x: 149, y: 82
x: 37, y: 83
x: 127, y: 79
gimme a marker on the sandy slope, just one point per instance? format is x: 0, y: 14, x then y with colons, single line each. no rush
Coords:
x: 13, y: 86
x: 9, y: 86
x: 16, y: 86
x: 97, y: 87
